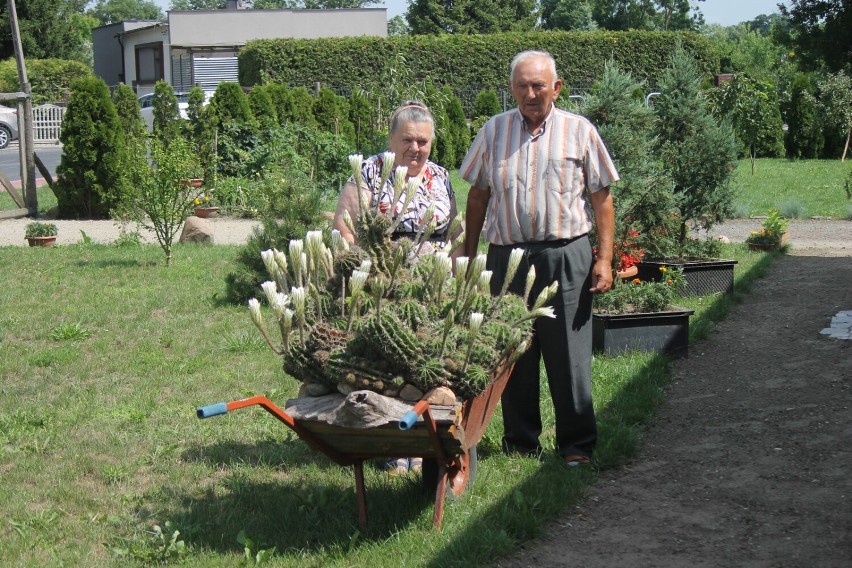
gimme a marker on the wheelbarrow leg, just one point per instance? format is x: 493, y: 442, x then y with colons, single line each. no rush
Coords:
x: 361, y: 494
x: 440, y: 496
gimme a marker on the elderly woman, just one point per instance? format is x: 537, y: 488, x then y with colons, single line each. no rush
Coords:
x: 412, y: 131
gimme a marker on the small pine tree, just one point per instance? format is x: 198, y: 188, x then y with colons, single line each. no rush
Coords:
x: 230, y: 105
x: 167, y: 119
x: 127, y: 108
x: 201, y: 131
x: 282, y: 101
x: 458, y: 128
x: 697, y: 151
x: 332, y: 114
x: 89, y: 173
x: 487, y: 104
x: 643, y: 201
x: 302, y: 110
x: 263, y: 108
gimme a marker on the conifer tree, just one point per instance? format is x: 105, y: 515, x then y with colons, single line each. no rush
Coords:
x: 89, y: 178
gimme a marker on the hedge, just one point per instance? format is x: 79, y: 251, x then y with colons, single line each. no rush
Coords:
x: 464, y: 61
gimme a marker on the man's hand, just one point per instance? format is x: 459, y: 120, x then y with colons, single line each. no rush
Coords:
x: 601, y: 277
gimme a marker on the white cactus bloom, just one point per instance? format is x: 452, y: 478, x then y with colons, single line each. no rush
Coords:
x: 515, y: 258
x: 296, y: 248
x: 530, y: 282
x: 356, y: 283
x: 543, y: 312
x: 546, y: 295
x: 256, y: 316
x: 388, y: 159
x: 297, y: 296
x: 355, y: 162
x: 462, y: 263
x: 485, y: 280
x: 443, y: 265
x: 268, y: 257
x: 398, y: 183
x: 281, y: 302
x: 280, y: 259
x: 366, y: 265
x: 338, y: 243
x: 476, y: 319
x: 269, y: 290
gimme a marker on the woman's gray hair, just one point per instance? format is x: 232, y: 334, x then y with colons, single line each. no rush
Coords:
x: 412, y: 111
x: 533, y: 54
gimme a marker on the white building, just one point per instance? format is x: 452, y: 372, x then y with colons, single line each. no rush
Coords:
x: 200, y: 47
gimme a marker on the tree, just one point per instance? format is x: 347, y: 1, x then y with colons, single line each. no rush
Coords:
x: 752, y: 107
x: 835, y: 98
x: 198, y: 4
x: 804, y: 138
x: 397, y: 26
x: 470, y: 16
x: 821, y: 33
x: 331, y: 112
x: 49, y: 28
x: 697, y: 151
x: 127, y: 108
x: 567, y: 15
x: 457, y: 126
x: 311, y: 4
x: 615, y: 104
x: 89, y: 173
x: 159, y: 199
x: 663, y: 15
x: 167, y: 119
x: 114, y: 11
x: 262, y: 106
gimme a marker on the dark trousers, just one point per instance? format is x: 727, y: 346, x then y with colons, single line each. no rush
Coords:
x: 564, y: 343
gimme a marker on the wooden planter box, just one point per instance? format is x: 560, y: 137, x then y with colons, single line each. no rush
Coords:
x: 784, y: 240
x: 662, y: 332
x: 704, y: 276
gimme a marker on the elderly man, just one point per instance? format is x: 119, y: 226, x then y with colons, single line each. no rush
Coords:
x: 534, y: 171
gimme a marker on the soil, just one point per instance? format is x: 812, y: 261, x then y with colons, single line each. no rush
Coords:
x: 748, y: 461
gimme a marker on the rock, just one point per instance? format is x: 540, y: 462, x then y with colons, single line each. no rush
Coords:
x: 197, y: 230
x: 723, y: 239
x: 365, y: 409
x: 410, y: 393
x: 345, y: 389
x: 442, y: 396
x: 313, y: 389
x: 392, y: 392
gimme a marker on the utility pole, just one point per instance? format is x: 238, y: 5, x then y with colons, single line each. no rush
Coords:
x: 25, y: 109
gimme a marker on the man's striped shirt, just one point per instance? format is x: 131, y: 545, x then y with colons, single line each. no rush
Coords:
x: 538, y: 182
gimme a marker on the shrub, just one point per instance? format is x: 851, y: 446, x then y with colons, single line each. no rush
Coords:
x: 363, y: 116
x: 457, y: 127
x: 38, y: 229
x: 262, y: 107
x: 230, y: 105
x: 487, y: 104
x: 167, y: 119
x: 50, y: 79
x: 792, y: 209
x: 332, y: 114
x: 697, y: 151
x: 302, y: 109
x: 127, y: 108
x: 89, y: 173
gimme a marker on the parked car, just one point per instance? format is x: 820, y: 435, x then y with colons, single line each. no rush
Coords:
x: 8, y: 125
x: 146, y: 107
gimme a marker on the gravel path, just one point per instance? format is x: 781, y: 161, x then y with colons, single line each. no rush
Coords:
x: 823, y: 236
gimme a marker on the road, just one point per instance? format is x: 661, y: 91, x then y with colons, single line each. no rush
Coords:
x: 10, y: 160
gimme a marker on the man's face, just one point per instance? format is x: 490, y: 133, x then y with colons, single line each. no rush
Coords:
x: 534, y: 88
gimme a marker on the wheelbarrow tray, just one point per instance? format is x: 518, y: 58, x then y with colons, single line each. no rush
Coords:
x: 446, y: 435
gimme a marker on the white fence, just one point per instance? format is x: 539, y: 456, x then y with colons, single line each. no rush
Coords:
x: 47, y: 122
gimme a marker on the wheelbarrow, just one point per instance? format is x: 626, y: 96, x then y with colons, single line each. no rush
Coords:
x: 445, y: 437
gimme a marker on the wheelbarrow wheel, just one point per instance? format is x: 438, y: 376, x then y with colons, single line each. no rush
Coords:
x: 460, y: 478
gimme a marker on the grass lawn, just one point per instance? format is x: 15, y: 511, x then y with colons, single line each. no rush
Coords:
x: 810, y: 187
x: 105, y: 354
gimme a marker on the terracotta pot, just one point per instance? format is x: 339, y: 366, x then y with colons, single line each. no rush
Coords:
x: 785, y: 239
x: 206, y: 212
x: 194, y: 182
x: 41, y: 241
x: 628, y: 272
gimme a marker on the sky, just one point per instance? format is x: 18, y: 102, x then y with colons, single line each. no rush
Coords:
x: 723, y: 12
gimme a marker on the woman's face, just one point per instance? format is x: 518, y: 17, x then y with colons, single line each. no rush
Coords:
x: 411, y: 143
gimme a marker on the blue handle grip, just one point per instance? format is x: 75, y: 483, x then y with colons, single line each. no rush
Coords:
x: 212, y: 410
x: 408, y: 420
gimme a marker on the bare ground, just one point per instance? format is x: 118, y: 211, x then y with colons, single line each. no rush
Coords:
x: 748, y: 461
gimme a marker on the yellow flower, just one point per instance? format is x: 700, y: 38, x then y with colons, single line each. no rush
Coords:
x: 636, y: 280
x: 663, y: 269
x: 196, y: 201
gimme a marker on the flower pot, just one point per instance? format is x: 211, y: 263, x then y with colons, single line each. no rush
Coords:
x: 784, y: 240
x: 206, y: 212
x: 662, y: 332
x: 194, y: 182
x: 704, y: 276
x: 628, y: 272
x: 41, y: 241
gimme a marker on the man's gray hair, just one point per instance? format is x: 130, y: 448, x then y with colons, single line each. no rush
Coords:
x: 533, y: 54
x: 412, y: 111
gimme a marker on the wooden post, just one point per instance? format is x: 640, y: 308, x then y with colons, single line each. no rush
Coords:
x: 26, y: 106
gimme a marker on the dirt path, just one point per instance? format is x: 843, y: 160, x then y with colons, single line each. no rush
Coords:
x: 748, y: 462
